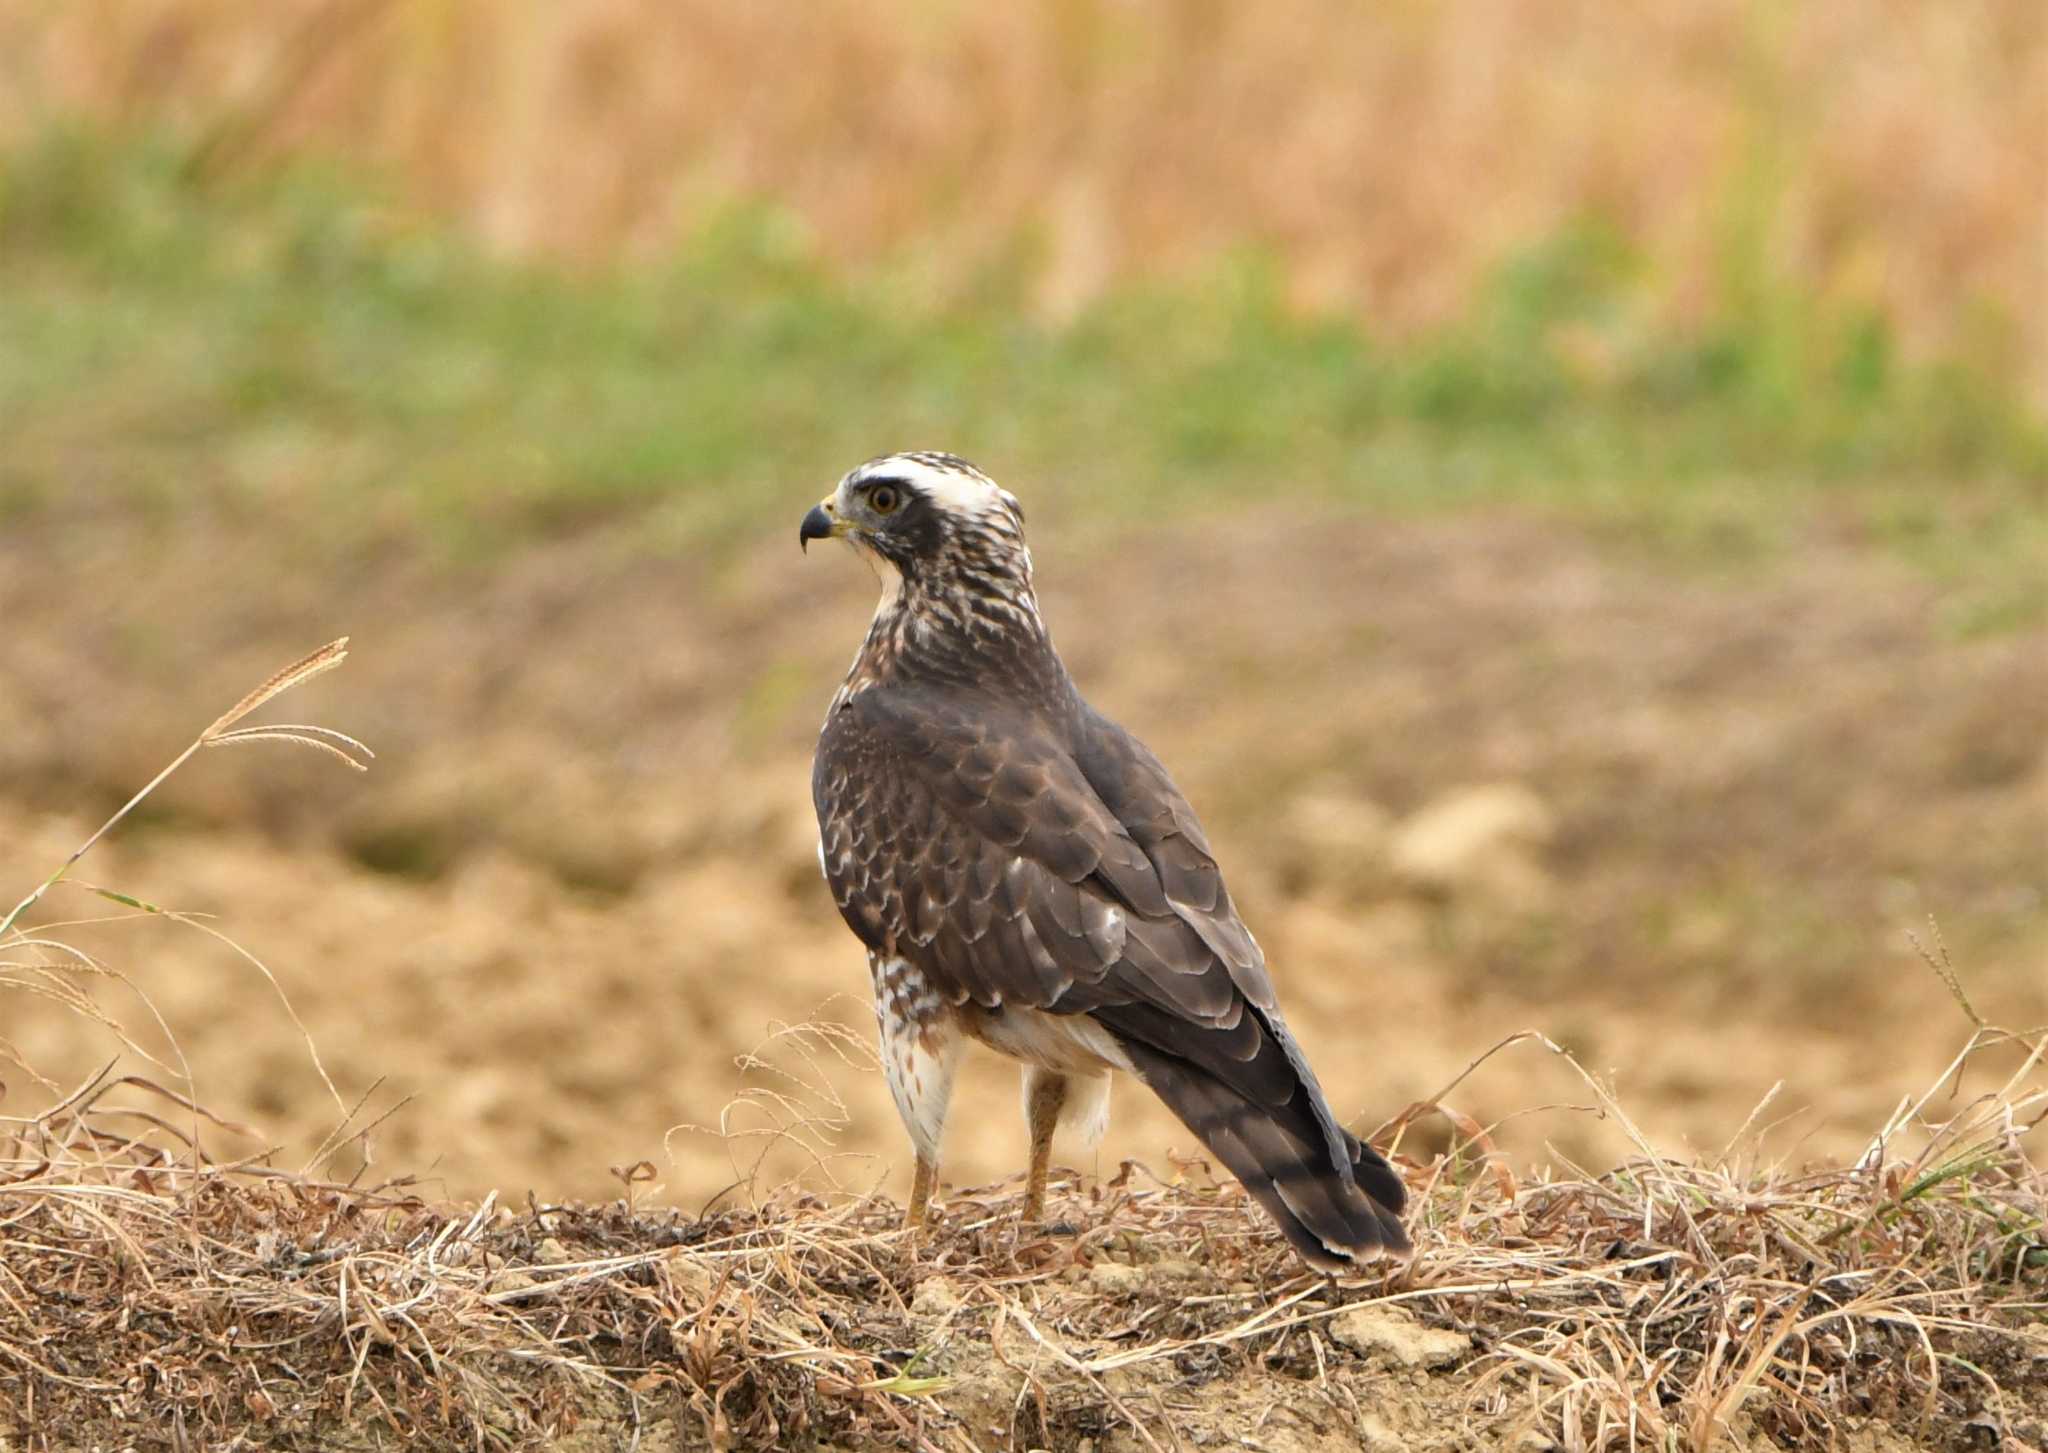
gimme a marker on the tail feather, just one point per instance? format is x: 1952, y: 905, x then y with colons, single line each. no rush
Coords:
x: 1376, y: 1177
x: 1334, y: 1212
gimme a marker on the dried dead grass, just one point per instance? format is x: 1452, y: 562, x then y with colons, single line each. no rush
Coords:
x: 37, y: 964
x: 156, y: 1294
x: 1872, y: 154
x: 1660, y: 1305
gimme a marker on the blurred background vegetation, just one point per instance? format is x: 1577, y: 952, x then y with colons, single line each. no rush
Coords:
x: 1565, y: 485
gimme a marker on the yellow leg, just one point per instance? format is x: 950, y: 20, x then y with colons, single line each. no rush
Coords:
x: 920, y: 1194
x: 1044, y: 1095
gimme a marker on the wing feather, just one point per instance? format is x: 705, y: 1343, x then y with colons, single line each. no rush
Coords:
x: 1134, y: 785
x: 1036, y: 801
x: 1052, y: 863
x: 1069, y: 896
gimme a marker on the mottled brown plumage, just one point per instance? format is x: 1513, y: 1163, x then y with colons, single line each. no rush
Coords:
x: 1024, y: 873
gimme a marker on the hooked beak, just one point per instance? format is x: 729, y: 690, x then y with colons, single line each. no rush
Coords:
x: 822, y: 523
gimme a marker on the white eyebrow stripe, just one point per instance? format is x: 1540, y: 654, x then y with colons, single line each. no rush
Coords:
x: 956, y: 489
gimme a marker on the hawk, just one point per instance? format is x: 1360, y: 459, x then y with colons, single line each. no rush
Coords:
x: 1024, y: 874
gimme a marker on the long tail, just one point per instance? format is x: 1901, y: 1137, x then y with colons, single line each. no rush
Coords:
x: 1334, y: 1198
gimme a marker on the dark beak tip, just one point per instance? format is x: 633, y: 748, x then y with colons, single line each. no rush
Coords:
x: 817, y: 525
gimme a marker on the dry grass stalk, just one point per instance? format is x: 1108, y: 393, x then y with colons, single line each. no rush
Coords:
x: 1662, y: 1305
x: 40, y: 965
x: 222, y: 733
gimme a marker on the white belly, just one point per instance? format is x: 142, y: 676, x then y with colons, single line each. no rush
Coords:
x: 1069, y: 1044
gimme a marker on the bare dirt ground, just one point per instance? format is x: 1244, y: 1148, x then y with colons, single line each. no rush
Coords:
x: 579, y: 881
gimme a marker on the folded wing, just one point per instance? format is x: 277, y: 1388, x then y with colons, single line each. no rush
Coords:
x: 1054, y: 865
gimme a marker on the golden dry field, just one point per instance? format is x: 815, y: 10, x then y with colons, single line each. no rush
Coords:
x: 1564, y: 488
x: 1884, y: 154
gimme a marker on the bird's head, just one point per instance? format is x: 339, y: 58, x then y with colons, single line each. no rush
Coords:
x: 934, y: 520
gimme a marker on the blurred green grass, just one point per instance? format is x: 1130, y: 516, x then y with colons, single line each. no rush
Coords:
x: 294, y: 342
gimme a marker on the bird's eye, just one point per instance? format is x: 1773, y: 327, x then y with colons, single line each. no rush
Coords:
x: 882, y: 499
